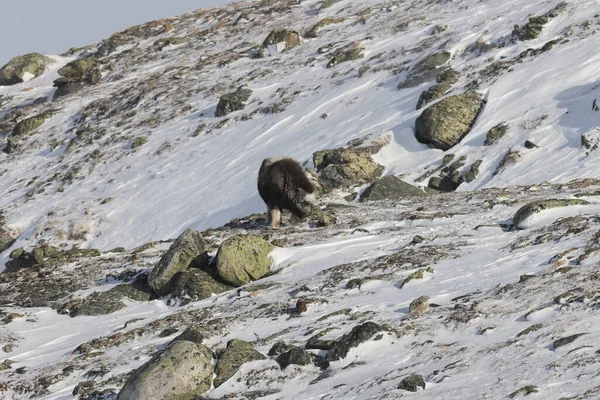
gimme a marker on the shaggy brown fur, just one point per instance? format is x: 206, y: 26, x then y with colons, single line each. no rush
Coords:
x: 283, y: 185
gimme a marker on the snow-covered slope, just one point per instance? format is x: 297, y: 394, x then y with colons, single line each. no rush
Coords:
x: 82, y: 179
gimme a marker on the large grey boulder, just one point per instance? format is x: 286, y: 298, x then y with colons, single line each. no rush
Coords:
x: 22, y: 67
x: 342, y: 168
x: 237, y: 353
x: 195, y: 284
x: 358, y: 334
x: 233, y: 101
x: 243, y: 259
x: 178, y: 258
x: 446, y: 123
x: 279, y: 40
x: 390, y: 188
x: 183, y: 371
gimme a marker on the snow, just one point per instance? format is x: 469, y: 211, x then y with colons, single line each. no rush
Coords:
x: 207, y: 180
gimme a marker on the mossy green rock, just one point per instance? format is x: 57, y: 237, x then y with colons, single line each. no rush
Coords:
x: 433, y: 93
x: 233, y: 101
x: 344, y: 56
x: 532, y: 28
x: 178, y: 258
x: 102, y: 303
x: 496, y: 133
x: 78, y: 69
x: 342, y: 168
x: 295, y: 356
x: 390, y: 188
x: 6, y: 240
x: 32, y: 123
x: 445, y: 123
x: 183, y: 371
x: 288, y: 40
x: 195, y: 284
x: 13, y: 72
x: 540, y: 205
x: 243, y: 259
x: 237, y: 353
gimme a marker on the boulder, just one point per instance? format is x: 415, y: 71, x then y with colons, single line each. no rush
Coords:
x: 107, y: 302
x: 76, y: 75
x: 445, y: 123
x: 412, y: 383
x: 32, y: 123
x: 182, y: 371
x: 195, y: 284
x: 296, y: 356
x: 532, y: 28
x: 473, y: 171
x: 495, y: 134
x: 342, y: 168
x: 278, y: 41
x: 77, y: 70
x: 433, y: 93
x: 237, y: 353
x: 232, y: 102
x: 425, y: 70
x: 23, y: 68
x: 359, y: 334
x: 390, y: 188
x: 312, y: 33
x: 6, y: 240
x: 242, y: 259
x: 345, y: 55
x: 540, y: 205
x: 178, y: 258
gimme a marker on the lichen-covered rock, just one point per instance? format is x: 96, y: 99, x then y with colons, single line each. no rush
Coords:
x: 101, y: 303
x: 321, y: 218
x: 390, y: 188
x: 445, y: 123
x: 6, y: 240
x: 182, y: 371
x: 342, y: 168
x: 278, y: 41
x: 540, y: 205
x: 23, y: 68
x: 419, y: 304
x: 358, y: 334
x: 233, y: 101
x: 242, y: 259
x: 312, y: 33
x: 178, y: 258
x: 425, y: 70
x: 237, y: 353
x: 295, y: 356
x: 471, y: 175
x: 77, y: 70
x: 345, y: 55
x: 412, y: 383
x: 32, y: 123
x: 532, y: 28
x: 195, y: 284
x: 433, y: 93
x: 495, y: 134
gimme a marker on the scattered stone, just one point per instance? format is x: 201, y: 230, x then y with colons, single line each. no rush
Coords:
x: 312, y: 33
x: 295, y: 356
x: 32, y: 123
x: 391, y: 188
x: 420, y: 274
x: 345, y: 55
x: 532, y: 28
x: 419, y: 305
x: 412, y: 383
x: 23, y: 68
x: 510, y: 158
x: 278, y: 41
x: 232, y: 102
x: 425, y: 70
x: 192, y: 334
x: 566, y: 340
x: 237, y: 353
x: 6, y: 241
x: 540, y: 205
x: 433, y: 93
x: 279, y: 348
x: 178, y: 258
x: 525, y: 390
x: 195, y: 284
x: 527, y: 331
x: 138, y: 142
x: 445, y: 123
x: 182, y: 371
x: 107, y: 302
x: 160, y: 44
x: 495, y: 134
x: 529, y: 145
x: 359, y: 334
x: 471, y: 175
x: 242, y: 259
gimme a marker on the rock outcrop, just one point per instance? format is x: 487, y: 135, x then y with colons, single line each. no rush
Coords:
x: 24, y: 68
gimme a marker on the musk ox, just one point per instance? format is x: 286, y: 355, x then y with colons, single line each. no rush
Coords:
x: 283, y: 185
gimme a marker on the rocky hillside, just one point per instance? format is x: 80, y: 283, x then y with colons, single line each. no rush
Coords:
x: 453, y: 252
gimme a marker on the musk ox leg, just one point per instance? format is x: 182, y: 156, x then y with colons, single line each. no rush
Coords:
x: 275, y: 218
x: 268, y: 214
